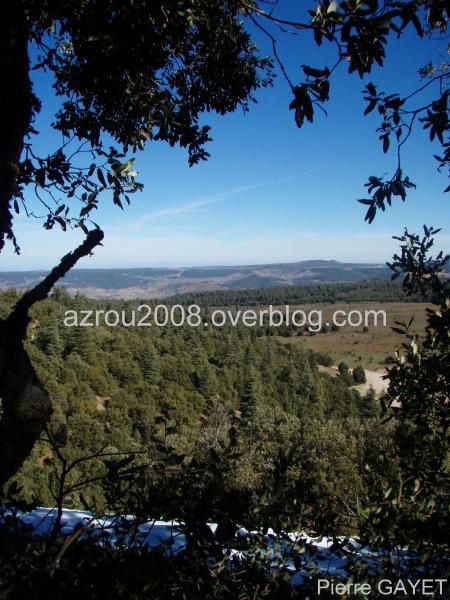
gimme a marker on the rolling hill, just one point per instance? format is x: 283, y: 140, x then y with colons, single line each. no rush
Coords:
x: 162, y: 282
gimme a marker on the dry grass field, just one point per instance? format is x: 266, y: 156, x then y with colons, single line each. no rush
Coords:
x: 355, y: 346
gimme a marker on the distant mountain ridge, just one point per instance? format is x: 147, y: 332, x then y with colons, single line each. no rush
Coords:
x: 162, y: 282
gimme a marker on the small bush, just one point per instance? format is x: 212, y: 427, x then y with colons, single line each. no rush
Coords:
x: 324, y: 359
x: 359, y: 375
x: 343, y: 368
x: 347, y: 379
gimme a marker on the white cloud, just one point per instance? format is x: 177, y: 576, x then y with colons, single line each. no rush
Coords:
x: 189, y: 207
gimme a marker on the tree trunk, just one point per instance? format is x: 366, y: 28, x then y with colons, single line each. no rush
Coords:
x: 16, y: 109
x: 25, y: 404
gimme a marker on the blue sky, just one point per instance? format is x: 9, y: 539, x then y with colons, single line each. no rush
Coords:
x: 270, y: 192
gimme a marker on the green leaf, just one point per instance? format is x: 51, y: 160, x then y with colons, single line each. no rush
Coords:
x: 317, y: 73
x: 370, y: 107
x: 101, y: 177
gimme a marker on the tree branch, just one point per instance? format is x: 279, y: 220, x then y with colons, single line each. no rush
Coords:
x: 42, y: 289
x: 25, y: 403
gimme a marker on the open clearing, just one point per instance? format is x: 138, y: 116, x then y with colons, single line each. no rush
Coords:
x: 355, y: 346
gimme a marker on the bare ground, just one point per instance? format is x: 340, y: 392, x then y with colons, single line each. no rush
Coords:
x: 373, y: 379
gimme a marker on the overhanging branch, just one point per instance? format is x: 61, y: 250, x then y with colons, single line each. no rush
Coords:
x: 20, y: 312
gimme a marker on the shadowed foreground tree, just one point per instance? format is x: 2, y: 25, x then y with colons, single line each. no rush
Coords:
x: 411, y: 511
x: 25, y: 404
x: 136, y: 71
x: 133, y: 71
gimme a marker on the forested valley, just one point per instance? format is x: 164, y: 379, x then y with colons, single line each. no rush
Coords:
x: 178, y: 393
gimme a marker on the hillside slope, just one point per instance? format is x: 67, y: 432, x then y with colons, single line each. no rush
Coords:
x: 160, y: 283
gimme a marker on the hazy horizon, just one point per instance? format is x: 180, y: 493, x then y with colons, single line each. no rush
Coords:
x: 207, y: 265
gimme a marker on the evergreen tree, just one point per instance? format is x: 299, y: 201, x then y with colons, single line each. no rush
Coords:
x: 251, y: 395
x: 80, y: 342
x: 54, y: 343
x: 150, y: 364
x: 207, y: 381
x: 370, y: 404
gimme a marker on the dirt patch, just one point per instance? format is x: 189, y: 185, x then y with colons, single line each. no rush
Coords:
x: 373, y: 379
x: 101, y: 402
